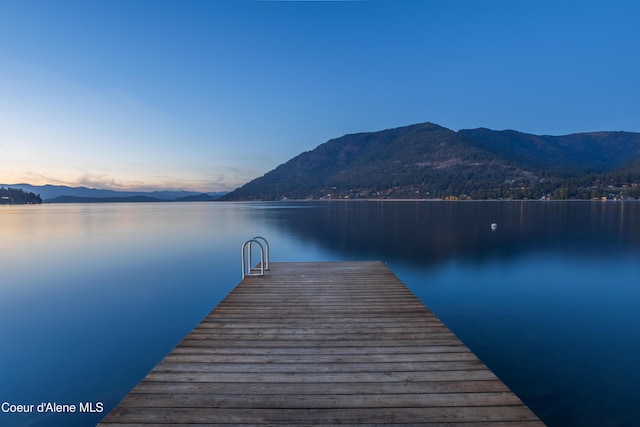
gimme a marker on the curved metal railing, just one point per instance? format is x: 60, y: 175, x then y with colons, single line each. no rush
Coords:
x: 266, y: 251
x: 247, y: 264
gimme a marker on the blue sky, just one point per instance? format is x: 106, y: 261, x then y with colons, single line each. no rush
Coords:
x: 207, y: 95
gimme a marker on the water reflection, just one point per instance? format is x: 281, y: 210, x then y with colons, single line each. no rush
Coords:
x: 426, y: 233
x: 93, y: 296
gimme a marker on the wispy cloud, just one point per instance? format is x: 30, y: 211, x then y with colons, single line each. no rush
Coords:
x: 223, y: 178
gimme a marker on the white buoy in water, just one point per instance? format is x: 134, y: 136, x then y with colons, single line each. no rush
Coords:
x: 494, y: 226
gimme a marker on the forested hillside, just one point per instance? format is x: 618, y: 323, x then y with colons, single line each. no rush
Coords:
x: 430, y: 161
x: 16, y: 196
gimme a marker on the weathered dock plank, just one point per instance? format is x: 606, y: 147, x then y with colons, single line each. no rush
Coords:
x: 321, y: 344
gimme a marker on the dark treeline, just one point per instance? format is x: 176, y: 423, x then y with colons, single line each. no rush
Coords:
x: 16, y: 196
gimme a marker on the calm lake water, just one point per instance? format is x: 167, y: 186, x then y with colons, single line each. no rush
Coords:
x: 92, y: 296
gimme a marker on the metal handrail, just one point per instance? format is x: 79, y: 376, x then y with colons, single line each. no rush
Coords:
x: 266, y: 252
x: 248, y: 271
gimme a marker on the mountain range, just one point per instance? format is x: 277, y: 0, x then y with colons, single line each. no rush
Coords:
x: 66, y: 194
x: 428, y: 161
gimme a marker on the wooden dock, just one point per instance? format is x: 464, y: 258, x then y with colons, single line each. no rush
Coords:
x: 321, y: 344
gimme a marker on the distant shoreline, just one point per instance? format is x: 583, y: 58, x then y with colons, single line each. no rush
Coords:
x: 156, y: 201
x: 432, y: 200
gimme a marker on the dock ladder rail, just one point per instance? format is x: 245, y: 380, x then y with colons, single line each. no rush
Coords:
x: 247, y: 269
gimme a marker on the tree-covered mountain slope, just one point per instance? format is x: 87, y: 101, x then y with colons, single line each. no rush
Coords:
x: 429, y: 161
